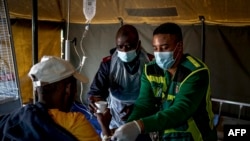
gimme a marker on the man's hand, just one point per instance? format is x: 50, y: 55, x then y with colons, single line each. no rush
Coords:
x: 127, y: 132
x: 91, y: 100
x: 104, y: 121
x: 104, y: 118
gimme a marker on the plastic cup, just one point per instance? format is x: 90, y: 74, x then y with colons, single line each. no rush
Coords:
x: 101, y: 106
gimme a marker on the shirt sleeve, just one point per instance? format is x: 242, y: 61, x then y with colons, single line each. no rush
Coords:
x: 76, y: 123
x: 145, y: 104
x: 100, y: 83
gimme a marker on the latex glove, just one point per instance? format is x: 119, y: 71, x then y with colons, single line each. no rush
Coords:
x: 127, y: 132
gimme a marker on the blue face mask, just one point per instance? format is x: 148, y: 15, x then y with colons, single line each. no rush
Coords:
x: 127, y: 56
x: 164, y: 60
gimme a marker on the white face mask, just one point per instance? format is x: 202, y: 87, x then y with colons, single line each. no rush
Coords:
x: 164, y: 60
x: 127, y: 56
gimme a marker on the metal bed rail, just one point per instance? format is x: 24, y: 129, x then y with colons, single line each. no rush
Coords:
x: 240, y: 104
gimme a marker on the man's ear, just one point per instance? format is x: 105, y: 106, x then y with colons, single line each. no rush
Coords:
x: 180, y: 44
x: 139, y: 43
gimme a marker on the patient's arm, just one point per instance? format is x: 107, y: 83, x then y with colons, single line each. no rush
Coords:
x: 104, y: 121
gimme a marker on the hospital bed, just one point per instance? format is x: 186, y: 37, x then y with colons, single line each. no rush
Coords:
x: 229, y: 112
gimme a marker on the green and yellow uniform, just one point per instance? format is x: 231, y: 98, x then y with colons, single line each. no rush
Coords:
x: 178, y: 106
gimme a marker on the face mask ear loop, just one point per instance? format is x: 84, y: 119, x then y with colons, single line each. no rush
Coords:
x: 177, y: 46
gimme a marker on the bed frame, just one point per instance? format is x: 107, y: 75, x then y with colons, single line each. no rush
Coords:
x: 220, y: 119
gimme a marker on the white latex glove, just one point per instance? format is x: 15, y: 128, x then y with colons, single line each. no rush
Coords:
x: 127, y: 132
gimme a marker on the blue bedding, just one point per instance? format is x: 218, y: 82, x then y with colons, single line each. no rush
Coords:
x: 79, y: 107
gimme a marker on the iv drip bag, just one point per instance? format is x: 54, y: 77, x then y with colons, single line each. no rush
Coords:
x: 89, y: 9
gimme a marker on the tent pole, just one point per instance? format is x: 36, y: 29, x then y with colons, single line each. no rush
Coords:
x: 202, y: 19
x: 34, y: 39
x: 34, y: 32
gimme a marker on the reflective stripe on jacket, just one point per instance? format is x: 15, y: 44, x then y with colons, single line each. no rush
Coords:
x: 170, y: 93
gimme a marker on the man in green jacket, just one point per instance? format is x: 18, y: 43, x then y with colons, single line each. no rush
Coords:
x: 174, y: 98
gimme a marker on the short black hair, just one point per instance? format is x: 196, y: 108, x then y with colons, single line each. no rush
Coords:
x: 128, y: 30
x: 169, y: 28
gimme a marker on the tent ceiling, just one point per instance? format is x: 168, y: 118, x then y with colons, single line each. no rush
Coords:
x: 226, y: 12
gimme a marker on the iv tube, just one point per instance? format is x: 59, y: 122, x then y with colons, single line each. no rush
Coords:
x: 89, y: 10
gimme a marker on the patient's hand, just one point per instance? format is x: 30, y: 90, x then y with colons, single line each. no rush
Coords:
x: 91, y: 100
x: 104, y: 121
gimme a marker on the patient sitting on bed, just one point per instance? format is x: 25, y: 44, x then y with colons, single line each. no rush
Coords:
x: 55, y: 84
